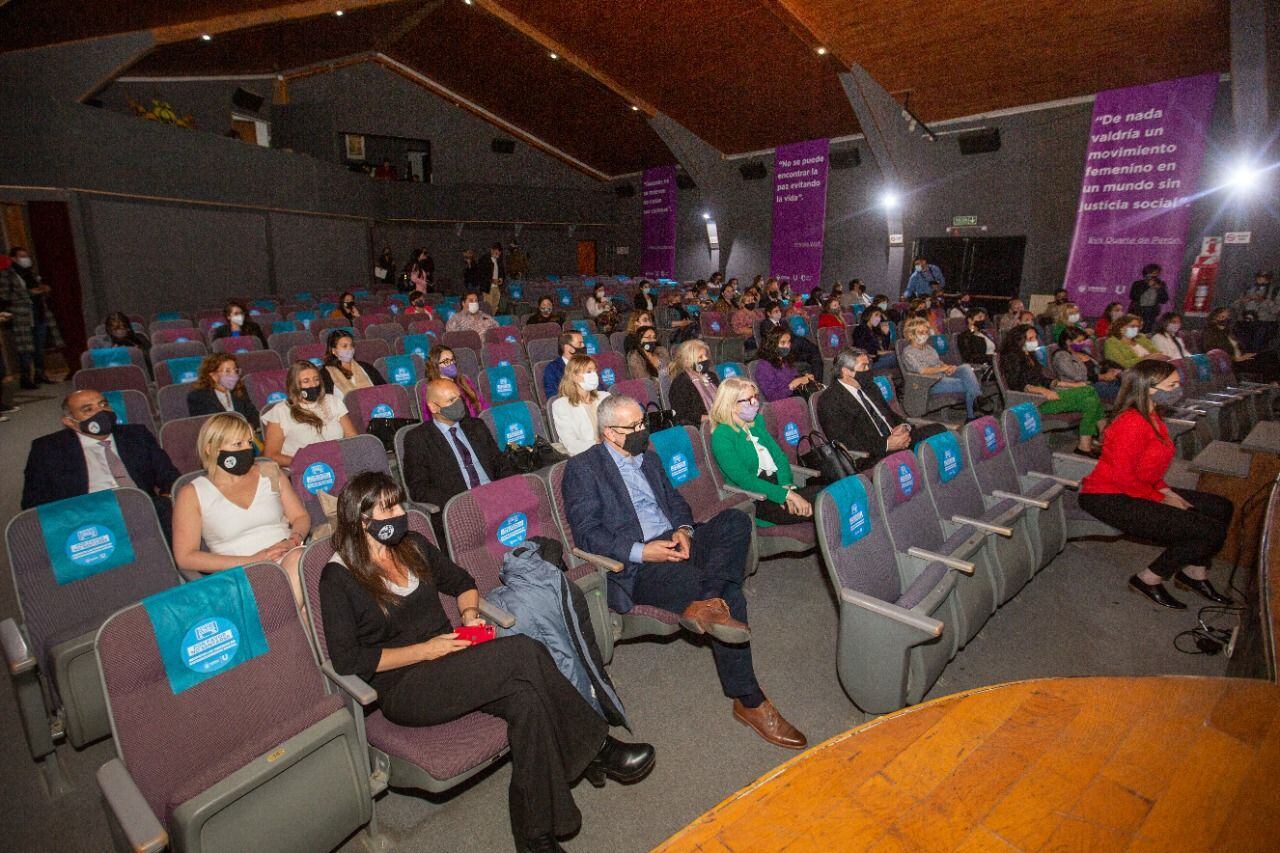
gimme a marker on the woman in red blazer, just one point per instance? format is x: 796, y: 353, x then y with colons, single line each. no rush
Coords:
x: 1127, y: 490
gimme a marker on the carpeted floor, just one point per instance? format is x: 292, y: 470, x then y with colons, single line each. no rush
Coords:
x: 1075, y: 618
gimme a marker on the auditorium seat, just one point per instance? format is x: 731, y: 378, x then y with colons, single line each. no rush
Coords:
x: 132, y: 407
x: 171, y: 401
x: 915, y: 399
x: 239, y: 759
x: 326, y: 466
x: 177, y: 349
x: 50, y: 653
x: 233, y: 345
x: 284, y: 342
x: 379, y: 401
x: 402, y: 369
x: 110, y: 356
x: 258, y: 361
x: 505, y: 384
x: 178, y: 440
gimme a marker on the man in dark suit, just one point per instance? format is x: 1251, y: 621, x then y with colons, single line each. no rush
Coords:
x: 570, y: 343
x: 854, y: 412
x: 621, y: 505
x: 94, y: 452
x: 450, y: 453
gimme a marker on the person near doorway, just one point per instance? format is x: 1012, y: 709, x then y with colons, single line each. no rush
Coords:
x: 923, y: 275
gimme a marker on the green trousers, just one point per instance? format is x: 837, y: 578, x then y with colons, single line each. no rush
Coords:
x: 1084, y: 400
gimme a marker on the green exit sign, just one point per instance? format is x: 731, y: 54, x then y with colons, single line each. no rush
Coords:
x: 962, y: 221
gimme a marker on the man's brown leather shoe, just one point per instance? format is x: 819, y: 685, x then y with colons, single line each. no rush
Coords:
x: 711, y: 616
x: 769, y: 724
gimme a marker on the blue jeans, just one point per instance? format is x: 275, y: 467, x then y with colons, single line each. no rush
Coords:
x: 963, y: 381
x: 888, y: 361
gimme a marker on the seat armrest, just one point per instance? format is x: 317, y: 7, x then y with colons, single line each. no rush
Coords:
x: 985, y: 526
x: 809, y: 472
x: 950, y: 562
x: 1061, y: 481
x: 924, y: 624
x: 559, y: 447
x: 1202, y: 401
x: 734, y: 490
x: 496, y: 614
x: 352, y: 685
x: 17, y: 653
x: 423, y: 506
x: 1022, y: 499
x: 598, y: 561
x: 1179, y: 422
x: 129, y: 808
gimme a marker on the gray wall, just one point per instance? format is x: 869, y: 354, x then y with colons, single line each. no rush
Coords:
x: 208, y: 102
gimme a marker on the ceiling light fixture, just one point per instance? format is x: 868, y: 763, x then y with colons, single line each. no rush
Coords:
x: 554, y: 55
x: 822, y: 51
x: 337, y: 13
x: 706, y: 215
x: 634, y: 108
x: 889, y: 200
x: 468, y: 2
x: 206, y: 37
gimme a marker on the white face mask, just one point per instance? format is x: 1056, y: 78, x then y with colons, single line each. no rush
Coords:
x: 1131, y: 332
x: 1073, y: 318
x: 921, y: 340
x: 1173, y: 328
x: 590, y: 381
x: 345, y: 354
x: 473, y: 307
x: 25, y: 263
x: 236, y: 319
x: 1031, y: 346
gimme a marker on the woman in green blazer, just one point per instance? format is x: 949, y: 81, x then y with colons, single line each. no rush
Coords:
x: 1126, y: 345
x: 750, y: 459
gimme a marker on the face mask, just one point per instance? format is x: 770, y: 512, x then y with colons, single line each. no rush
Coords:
x: 1115, y: 315
x: 389, y: 531
x: 473, y: 307
x: 310, y: 394
x: 636, y: 442
x: 920, y: 340
x: 545, y: 309
x: 348, y: 305
x: 345, y: 355
x: 783, y: 352
x: 1073, y: 318
x: 590, y: 381
x: 228, y: 381
x: 119, y: 334
x: 236, y: 319
x: 582, y: 350
x: 1173, y: 328
x: 648, y: 346
x: 25, y: 263
x: 748, y: 305
x: 1031, y: 346
x: 1131, y: 332
x: 455, y: 411
x: 236, y: 462
x: 449, y: 370
x: 100, y: 425
x: 1078, y: 347
x: 882, y: 305
x: 1166, y: 398
x: 748, y: 411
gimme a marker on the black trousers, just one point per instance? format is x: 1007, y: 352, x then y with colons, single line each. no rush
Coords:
x: 715, y: 569
x: 552, y: 730
x: 1190, y: 536
x: 778, y: 513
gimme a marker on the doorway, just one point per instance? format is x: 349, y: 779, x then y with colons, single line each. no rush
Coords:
x: 254, y: 131
x: 586, y: 257
x: 990, y: 268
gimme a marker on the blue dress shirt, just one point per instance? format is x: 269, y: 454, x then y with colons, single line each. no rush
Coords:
x: 919, y: 283
x: 652, y: 520
x: 462, y: 437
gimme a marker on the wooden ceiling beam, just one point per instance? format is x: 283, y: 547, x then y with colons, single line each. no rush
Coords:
x: 793, y: 16
x: 565, y: 53
x: 189, y: 30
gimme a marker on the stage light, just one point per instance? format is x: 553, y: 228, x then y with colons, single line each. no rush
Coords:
x: 554, y: 55
x: 468, y: 2
x: 1244, y: 177
x: 634, y: 108
x: 706, y: 215
x: 822, y: 51
x: 338, y: 13
x: 206, y: 37
x: 889, y: 200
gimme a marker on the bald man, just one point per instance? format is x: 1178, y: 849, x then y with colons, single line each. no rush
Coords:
x: 449, y: 452
x: 93, y: 452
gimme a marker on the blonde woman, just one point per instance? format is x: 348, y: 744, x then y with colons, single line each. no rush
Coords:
x: 1067, y: 315
x: 919, y: 356
x: 693, y: 382
x: 244, y: 512
x: 306, y: 416
x: 574, y: 411
x: 749, y: 457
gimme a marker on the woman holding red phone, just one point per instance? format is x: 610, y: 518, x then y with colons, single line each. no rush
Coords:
x: 379, y: 598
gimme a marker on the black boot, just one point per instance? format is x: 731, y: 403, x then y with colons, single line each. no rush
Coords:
x: 621, y: 762
x: 1204, y: 588
x: 1156, y: 592
x: 542, y: 844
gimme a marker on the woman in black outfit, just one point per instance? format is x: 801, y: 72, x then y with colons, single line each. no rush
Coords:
x: 379, y: 598
x: 238, y: 324
x: 220, y: 388
x: 693, y: 382
x: 872, y: 336
x: 121, y: 333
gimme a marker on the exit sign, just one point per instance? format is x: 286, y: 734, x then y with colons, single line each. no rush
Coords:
x: 962, y: 221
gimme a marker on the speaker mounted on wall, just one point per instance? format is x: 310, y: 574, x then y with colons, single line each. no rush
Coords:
x: 504, y: 146
x: 246, y: 100
x: 982, y: 141
x: 753, y: 171
x: 846, y: 159
x: 684, y: 182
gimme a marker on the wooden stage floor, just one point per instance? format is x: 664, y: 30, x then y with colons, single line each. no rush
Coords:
x: 1150, y: 764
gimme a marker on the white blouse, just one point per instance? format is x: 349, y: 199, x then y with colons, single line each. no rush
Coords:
x: 231, y: 530
x: 298, y: 435
x: 766, y: 464
x: 575, y: 427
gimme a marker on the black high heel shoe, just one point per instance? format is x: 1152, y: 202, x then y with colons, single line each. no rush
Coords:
x: 1156, y: 592
x: 621, y: 762
x: 1204, y: 588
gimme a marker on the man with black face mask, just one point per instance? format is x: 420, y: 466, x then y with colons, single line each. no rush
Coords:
x: 94, y: 452
x: 621, y: 505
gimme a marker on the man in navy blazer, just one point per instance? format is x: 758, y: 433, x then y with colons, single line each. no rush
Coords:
x: 79, y: 458
x: 621, y: 505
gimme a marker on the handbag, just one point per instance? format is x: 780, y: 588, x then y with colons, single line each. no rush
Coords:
x: 825, y: 456
x: 528, y: 459
x: 657, y: 418
x: 384, y: 429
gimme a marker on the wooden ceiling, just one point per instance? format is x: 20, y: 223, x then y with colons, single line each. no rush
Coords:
x: 742, y: 74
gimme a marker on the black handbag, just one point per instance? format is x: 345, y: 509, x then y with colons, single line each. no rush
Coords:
x: 657, y: 418
x: 384, y: 429
x: 825, y: 456
x: 530, y: 459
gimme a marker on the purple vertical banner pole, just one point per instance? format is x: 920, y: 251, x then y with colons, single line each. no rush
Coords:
x: 1141, y: 171
x: 658, y: 222
x: 799, y: 213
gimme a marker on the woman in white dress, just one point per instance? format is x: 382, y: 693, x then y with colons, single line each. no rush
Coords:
x: 306, y: 416
x: 244, y: 512
x: 574, y: 411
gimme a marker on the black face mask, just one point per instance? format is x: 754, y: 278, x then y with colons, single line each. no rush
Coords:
x: 389, y: 531
x: 702, y: 366
x: 100, y: 425
x: 648, y: 346
x: 236, y: 462
x: 636, y: 442
x: 310, y: 394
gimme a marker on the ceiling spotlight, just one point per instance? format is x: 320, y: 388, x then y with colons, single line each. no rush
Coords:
x: 338, y: 13
x: 553, y: 55
x: 468, y: 2
x: 706, y: 215
x: 822, y: 51
x: 206, y: 37
x: 634, y: 108
x: 889, y: 200
x: 1243, y: 177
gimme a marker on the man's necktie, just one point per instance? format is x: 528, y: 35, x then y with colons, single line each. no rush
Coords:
x: 468, y: 463
x: 116, y: 465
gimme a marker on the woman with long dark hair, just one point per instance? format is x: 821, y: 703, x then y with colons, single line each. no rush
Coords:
x: 305, y: 416
x: 342, y: 372
x: 383, y: 620
x: 777, y: 372
x: 1126, y: 490
x: 219, y: 387
x: 121, y: 333
x: 442, y: 364
x: 1023, y: 372
x: 238, y: 324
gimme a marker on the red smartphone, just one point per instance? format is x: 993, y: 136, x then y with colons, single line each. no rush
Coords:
x: 476, y: 634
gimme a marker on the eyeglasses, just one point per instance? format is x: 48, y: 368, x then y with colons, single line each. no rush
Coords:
x: 445, y: 362
x: 630, y: 428
x: 752, y: 399
x: 235, y: 371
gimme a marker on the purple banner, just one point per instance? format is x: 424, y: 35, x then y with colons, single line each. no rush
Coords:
x: 1142, y: 167
x: 658, y: 222
x: 799, y: 213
